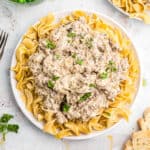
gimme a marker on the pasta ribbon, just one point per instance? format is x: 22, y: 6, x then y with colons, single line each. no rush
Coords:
x: 136, y: 8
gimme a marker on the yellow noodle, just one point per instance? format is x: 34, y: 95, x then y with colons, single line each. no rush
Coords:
x: 136, y: 8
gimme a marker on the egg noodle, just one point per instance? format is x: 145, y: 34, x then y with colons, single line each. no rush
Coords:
x: 136, y: 8
x: 25, y: 81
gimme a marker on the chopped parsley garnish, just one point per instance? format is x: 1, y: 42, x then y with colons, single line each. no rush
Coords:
x: 5, y: 127
x: 79, y: 61
x: 50, y: 84
x: 64, y: 107
x: 111, y: 67
x: 57, y: 56
x: 85, y: 97
x: 103, y: 75
x: 69, y: 41
x: 71, y: 34
x: 74, y: 55
x: 22, y: 1
x: 92, y: 85
x: 50, y: 44
x: 89, y: 43
x: 111, y: 62
x: 55, y: 78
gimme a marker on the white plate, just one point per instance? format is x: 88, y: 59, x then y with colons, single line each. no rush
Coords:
x: 29, y: 115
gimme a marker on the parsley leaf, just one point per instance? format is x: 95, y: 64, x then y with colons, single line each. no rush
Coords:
x: 57, y: 56
x: 50, y: 84
x: 71, y: 34
x: 22, y: 1
x: 13, y: 128
x: 74, y: 55
x: 103, y: 75
x: 64, y: 107
x: 111, y: 67
x: 79, y: 61
x: 55, y: 78
x: 50, y: 45
x: 5, y: 127
x: 89, y: 43
x: 5, y: 118
x: 85, y: 97
x: 92, y: 85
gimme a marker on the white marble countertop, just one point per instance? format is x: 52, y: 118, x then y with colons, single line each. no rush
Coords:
x: 15, y: 19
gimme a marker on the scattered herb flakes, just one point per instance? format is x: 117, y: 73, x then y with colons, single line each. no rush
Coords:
x: 89, y: 43
x: 57, y: 56
x: 111, y: 67
x: 111, y: 62
x: 71, y: 34
x: 5, y: 127
x: 55, y: 78
x: 50, y: 44
x: 74, y: 55
x: 85, y: 97
x: 64, y: 107
x: 79, y: 61
x: 144, y: 83
x: 92, y: 85
x: 69, y: 41
x: 50, y: 84
x: 103, y: 75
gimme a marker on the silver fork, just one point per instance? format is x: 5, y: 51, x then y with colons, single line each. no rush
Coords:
x: 3, y: 41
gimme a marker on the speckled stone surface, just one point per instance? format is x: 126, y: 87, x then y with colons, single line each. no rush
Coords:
x: 16, y: 19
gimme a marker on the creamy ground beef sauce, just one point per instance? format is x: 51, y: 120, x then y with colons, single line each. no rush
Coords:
x: 77, y: 71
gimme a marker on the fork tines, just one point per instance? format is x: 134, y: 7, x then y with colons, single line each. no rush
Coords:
x: 3, y: 40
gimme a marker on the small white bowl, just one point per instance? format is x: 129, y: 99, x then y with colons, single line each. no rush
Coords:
x: 122, y: 11
x: 30, y: 116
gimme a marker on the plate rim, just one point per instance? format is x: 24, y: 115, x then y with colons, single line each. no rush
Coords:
x: 17, y: 93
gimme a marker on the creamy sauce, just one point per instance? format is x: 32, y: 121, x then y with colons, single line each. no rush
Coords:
x: 77, y: 71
